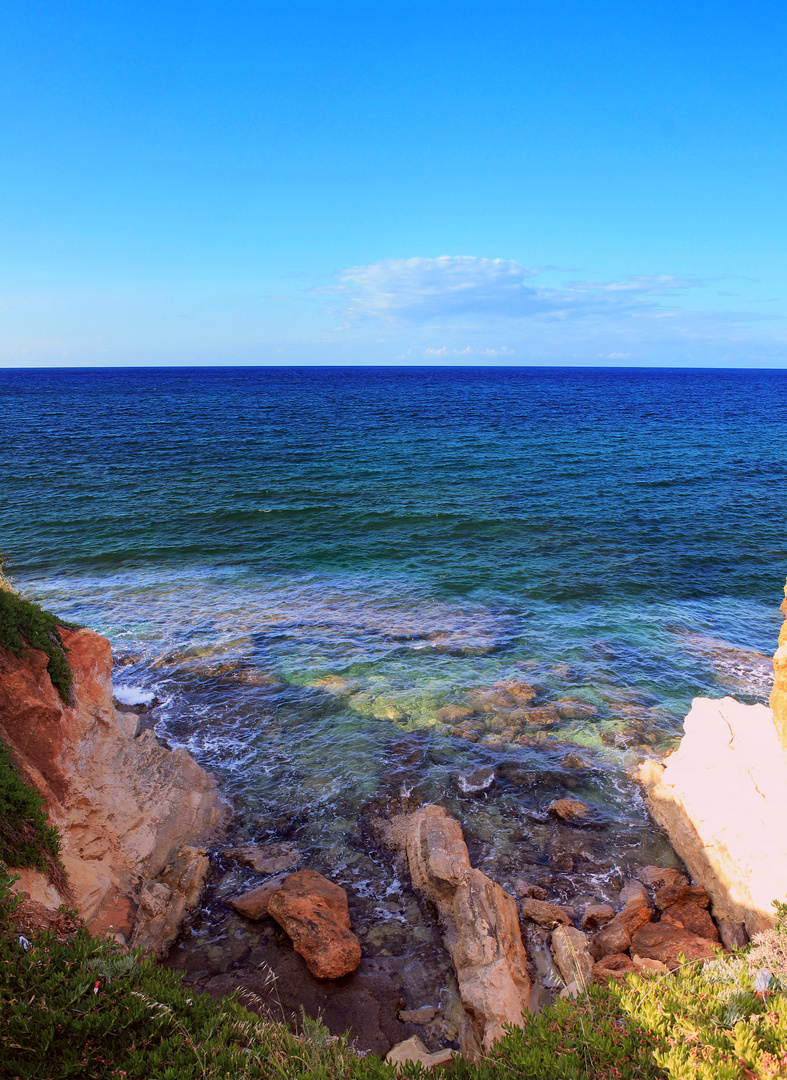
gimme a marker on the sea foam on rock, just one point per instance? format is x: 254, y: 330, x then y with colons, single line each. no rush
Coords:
x: 134, y: 817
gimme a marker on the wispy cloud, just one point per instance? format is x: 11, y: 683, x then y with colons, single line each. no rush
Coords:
x: 462, y: 287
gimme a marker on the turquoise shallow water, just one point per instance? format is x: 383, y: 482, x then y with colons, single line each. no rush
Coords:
x: 347, y: 586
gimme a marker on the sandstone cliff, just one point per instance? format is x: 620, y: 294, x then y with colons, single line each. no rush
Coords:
x: 133, y: 816
x: 722, y: 799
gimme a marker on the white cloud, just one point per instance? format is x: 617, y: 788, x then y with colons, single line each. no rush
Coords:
x: 467, y: 288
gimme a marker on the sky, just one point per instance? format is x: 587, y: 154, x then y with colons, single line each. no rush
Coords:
x: 393, y: 183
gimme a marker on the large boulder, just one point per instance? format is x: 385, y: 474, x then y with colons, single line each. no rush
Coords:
x: 667, y: 943
x: 480, y: 925
x: 722, y: 799
x: 133, y: 816
x: 313, y: 911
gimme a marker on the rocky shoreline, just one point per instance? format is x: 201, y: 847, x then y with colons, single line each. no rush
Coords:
x: 141, y: 825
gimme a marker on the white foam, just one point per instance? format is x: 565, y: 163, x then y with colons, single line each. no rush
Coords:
x: 133, y: 695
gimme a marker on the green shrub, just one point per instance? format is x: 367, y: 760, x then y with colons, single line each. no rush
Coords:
x: 26, y: 837
x: 24, y: 625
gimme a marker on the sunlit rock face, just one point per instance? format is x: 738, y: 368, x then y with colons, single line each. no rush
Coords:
x: 133, y: 815
x: 722, y: 798
x: 480, y: 925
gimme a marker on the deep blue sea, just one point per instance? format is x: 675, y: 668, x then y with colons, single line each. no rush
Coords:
x: 345, y: 585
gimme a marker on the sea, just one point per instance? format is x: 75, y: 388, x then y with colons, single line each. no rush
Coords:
x: 349, y: 591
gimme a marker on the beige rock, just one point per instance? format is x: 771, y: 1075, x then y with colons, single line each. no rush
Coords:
x: 424, y: 1015
x: 644, y: 966
x: 413, y: 1050
x: 480, y: 925
x: 266, y: 859
x: 723, y: 801
x: 314, y: 913
x: 126, y: 807
x: 547, y: 915
x: 570, y: 951
x: 634, y: 892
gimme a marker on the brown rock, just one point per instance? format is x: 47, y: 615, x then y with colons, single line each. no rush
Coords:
x: 524, y: 889
x: 657, y: 876
x: 253, y: 904
x: 611, y: 939
x: 668, y: 895
x: 570, y: 951
x: 128, y: 810
x: 314, y: 913
x: 632, y: 916
x: 265, y: 859
x: 733, y: 935
x: 424, y: 1015
x: 597, y: 915
x: 693, y: 918
x: 547, y: 915
x: 570, y: 810
x: 664, y: 942
x: 615, y: 966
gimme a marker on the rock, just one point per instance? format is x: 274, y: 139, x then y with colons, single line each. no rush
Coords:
x: 524, y: 889
x: 424, y: 1015
x: 570, y: 990
x: 547, y: 915
x: 597, y: 915
x: 575, y: 710
x: 475, y: 781
x: 313, y: 911
x: 693, y: 918
x: 634, y: 892
x: 570, y: 950
x: 480, y: 925
x: 632, y: 916
x: 614, y: 966
x: 733, y: 935
x: 571, y: 810
x: 413, y: 1050
x: 610, y: 940
x: 656, y: 876
x: 253, y: 904
x: 662, y: 941
x: 722, y: 800
x: 266, y: 859
x: 668, y: 895
x: 132, y: 814
x: 644, y: 966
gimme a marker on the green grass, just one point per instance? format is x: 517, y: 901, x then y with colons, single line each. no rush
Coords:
x: 82, y: 1008
x: 24, y: 625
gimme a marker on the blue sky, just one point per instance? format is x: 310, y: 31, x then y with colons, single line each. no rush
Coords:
x: 371, y: 183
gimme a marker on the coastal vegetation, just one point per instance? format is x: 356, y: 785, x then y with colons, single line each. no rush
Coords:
x: 24, y: 625
x: 76, y: 1005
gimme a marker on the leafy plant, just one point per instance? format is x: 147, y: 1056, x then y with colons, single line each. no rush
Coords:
x: 26, y: 837
x: 24, y: 625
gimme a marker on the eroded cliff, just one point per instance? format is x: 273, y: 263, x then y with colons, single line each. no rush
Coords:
x: 134, y: 816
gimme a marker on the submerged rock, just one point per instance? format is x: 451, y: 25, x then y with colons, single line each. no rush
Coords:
x: 573, y: 811
x: 474, y: 781
x: 313, y: 911
x: 265, y: 859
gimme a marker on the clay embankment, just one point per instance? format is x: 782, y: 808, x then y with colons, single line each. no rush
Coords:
x: 722, y: 799
x: 133, y: 816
